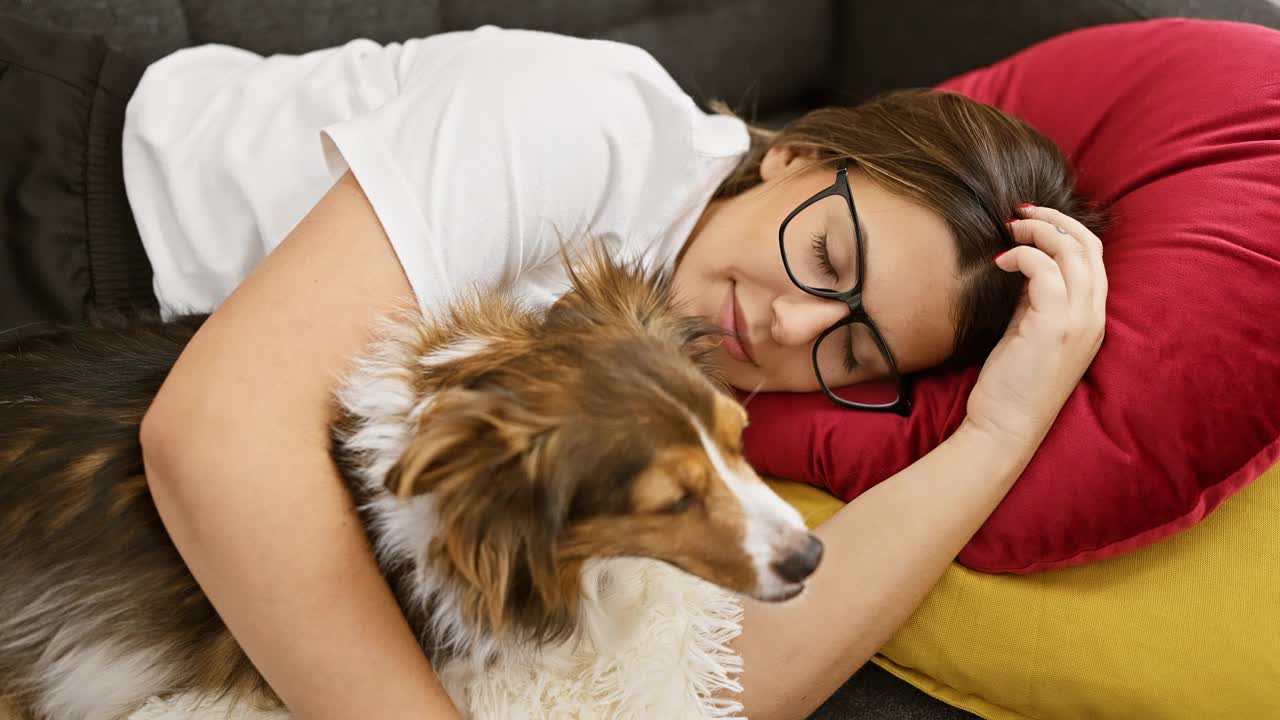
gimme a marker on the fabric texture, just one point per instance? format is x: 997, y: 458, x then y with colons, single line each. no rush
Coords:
x: 772, y: 60
x: 68, y: 246
x: 1176, y: 124
x: 654, y: 644
x: 1182, y: 630
x: 481, y: 152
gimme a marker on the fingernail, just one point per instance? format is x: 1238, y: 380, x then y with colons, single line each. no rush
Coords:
x: 1025, y: 205
x: 1011, y: 221
x: 1001, y: 254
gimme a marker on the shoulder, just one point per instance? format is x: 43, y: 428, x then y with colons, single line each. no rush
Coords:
x: 550, y: 75
x: 532, y: 51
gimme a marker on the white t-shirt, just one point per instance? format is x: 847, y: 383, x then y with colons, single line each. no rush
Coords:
x: 478, y: 150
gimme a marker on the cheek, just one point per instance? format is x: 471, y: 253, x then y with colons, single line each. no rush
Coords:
x: 920, y: 331
x: 788, y: 370
x: 796, y: 374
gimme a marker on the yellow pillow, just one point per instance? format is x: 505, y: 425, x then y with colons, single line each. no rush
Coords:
x: 1186, y: 628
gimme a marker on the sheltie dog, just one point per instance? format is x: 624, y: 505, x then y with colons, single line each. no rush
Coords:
x: 490, y: 452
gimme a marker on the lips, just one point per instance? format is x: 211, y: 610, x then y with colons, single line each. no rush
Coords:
x: 737, y: 342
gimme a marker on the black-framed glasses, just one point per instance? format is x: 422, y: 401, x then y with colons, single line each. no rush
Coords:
x: 822, y: 250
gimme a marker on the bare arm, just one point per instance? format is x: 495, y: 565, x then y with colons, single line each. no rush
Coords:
x: 884, y: 552
x: 235, y: 446
x: 886, y: 549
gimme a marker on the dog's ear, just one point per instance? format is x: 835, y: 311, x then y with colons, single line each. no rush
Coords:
x: 463, y: 432
x: 484, y: 459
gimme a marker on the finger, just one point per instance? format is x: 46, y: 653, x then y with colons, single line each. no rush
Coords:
x: 1046, y: 290
x: 1060, y: 219
x: 1091, y: 242
x: 1066, y: 251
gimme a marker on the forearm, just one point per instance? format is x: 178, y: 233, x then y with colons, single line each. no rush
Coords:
x: 295, y: 581
x: 884, y: 552
x: 236, y: 448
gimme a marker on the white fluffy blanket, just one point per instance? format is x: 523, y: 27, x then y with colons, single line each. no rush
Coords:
x: 654, y: 644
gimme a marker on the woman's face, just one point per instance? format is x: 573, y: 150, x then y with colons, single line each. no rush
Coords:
x: 731, y: 274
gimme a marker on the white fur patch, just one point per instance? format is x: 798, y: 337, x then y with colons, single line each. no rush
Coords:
x: 654, y: 643
x: 98, y: 682
x: 769, y: 518
x: 456, y: 350
x: 191, y: 707
x: 381, y: 395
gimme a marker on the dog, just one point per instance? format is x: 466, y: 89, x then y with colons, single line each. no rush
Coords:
x: 490, y: 452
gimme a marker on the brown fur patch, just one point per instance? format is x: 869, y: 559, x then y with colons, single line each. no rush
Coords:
x: 126, y: 494
x: 14, y: 448
x: 79, y: 482
x: 225, y: 672
x: 678, y: 474
x: 730, y: 421
x: 9, y: 710
x: 16, y: 518
x: 682, y: 512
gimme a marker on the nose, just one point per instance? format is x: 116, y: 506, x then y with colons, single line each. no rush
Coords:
x: 801, y: 563
x: 798, y: 318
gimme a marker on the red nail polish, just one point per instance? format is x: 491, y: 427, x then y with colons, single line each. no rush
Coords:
x: 998, y: 256
x: 1011, y: 221
x: 1025, y: 205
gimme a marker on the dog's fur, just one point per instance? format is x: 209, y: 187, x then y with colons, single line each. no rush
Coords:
x: 490, y: 453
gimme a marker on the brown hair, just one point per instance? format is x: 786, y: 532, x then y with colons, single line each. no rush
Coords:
x: 969, y: 162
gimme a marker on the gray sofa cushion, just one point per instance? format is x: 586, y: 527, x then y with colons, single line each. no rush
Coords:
x: 770, y: 59
x: 752, y: 53
x: 909, y: 43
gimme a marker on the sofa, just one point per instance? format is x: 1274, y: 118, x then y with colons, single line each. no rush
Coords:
x: 770, y: 60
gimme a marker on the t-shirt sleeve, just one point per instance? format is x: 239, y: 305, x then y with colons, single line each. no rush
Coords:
x: 496, y: 151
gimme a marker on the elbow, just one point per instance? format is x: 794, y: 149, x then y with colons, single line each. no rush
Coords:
x: 176, y: 447
x: 155, y: 440
x: 161, y: 436
x: 150, y: 435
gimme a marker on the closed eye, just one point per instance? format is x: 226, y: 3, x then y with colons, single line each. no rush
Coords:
x: 823, y: 255
x: 679, y: 505
x: 851, y: 363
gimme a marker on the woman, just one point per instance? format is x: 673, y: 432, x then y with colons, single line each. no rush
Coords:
x: 299, y: 198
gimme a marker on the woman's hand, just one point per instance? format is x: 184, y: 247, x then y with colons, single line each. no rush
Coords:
x: 1055, y: 332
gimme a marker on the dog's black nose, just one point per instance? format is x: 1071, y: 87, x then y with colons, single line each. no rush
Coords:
x: 800, y: 564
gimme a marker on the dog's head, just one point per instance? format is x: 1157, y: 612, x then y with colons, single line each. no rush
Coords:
x: 593, y: 430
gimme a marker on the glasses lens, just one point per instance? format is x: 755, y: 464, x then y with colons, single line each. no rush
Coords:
x: 820, y: 246
x: 849, y: 355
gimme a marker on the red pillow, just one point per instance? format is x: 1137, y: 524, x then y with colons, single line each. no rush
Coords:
x: 1177, y: 123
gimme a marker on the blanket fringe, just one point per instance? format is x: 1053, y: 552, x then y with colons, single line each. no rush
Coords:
x: 654, y: 643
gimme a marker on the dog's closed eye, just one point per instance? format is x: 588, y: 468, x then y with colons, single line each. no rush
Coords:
x: 682, y: 503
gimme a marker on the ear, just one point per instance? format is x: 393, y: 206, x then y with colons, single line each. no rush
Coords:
x: 462, y: 432
x: 502, y: 555
x: 481, y: 456
x: 782, y: 160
